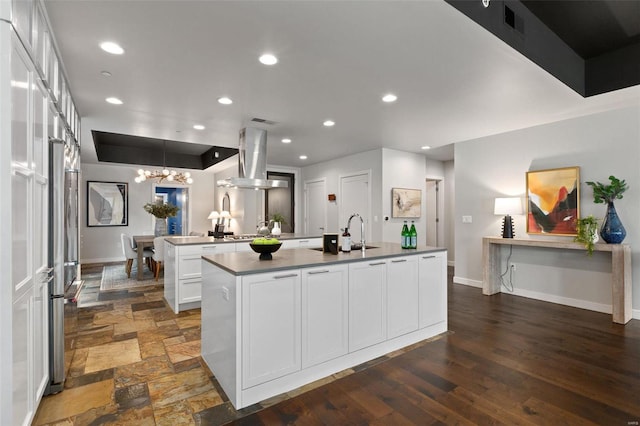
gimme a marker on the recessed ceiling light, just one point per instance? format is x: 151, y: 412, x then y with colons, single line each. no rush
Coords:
x: 114, y: 101
x: 198, y: 126
x: 268, y: 59
x: 225, y: 101
x: 389, y: 98
x: 425, y: 147
x: 106, y: 74
x: 111, y: 47
x: 286, y: 140
x: 303, y: 157
x: 329, y: 123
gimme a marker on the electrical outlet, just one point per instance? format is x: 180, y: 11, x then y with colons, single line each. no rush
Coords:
x: 225, y: 293
x: 467, y: 219
x: 513, y: 267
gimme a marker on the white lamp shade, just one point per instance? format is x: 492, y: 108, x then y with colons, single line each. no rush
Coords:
x: 214, y: 215
x: 507, y: 206
x: 225, y: 214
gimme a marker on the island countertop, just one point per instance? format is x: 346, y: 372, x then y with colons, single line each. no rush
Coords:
x: 246, y: 263
x: 191, y: 240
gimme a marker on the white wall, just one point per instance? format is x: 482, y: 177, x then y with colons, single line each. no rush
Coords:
x: 331, y: 170
x: 601, y: 145
x: 402, y: 170
x: 102, y: 244
x: 389, y: 169
x: 449, y: 211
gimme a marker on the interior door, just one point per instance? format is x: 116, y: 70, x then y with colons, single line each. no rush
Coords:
x: 315, y: 216
x: 355, y: 197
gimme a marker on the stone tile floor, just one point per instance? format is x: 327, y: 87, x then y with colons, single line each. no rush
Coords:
x: 130, y: 359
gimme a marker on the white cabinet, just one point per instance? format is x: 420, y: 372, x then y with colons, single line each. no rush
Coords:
x: 432, y: 276
x: 244, y: 246
x: 325, y: 314
x: 367, y: 303
x: 183, y: 272
x: 301, y: 243
x: 270, y: 326
x: 402, y: 296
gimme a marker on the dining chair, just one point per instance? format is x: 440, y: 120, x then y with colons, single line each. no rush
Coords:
x: 158, y: 255
x: 131, y: 254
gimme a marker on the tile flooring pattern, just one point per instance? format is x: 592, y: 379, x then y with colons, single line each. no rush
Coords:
x: 130, y: 359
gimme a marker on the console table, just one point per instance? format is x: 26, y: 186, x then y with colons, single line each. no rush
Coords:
x: 620, y: 268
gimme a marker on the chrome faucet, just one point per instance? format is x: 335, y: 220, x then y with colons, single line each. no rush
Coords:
x: 362, y: 242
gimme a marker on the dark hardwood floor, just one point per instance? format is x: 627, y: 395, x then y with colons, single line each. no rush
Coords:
x: 507, y: 360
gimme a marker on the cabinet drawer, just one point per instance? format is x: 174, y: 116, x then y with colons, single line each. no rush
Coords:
x: 190, y: 290
x: 190, y: 266
x: 206, y: 249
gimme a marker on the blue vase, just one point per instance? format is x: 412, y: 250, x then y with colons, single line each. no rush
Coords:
x: 612, y: 230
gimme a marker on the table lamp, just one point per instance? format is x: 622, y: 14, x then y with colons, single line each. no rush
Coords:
x: 214, y: 216
x: 507, y: 207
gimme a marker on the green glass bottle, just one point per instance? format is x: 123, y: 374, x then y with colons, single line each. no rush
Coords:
x: 404, y: 236
x: 413, y: 236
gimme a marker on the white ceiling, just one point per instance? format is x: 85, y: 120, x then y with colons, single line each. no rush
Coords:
x: 454, y: 80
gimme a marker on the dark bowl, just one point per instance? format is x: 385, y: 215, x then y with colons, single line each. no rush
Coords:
x: 265, y: 250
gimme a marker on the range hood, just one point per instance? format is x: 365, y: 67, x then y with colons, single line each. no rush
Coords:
x: 252, y: 163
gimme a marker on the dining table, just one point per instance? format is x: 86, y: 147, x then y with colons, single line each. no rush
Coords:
x: 141, y: 242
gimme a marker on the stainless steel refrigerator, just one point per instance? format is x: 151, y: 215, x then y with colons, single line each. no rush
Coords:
x: 63, y: 249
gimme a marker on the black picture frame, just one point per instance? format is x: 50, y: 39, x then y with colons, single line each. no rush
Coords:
x: 107, y: 204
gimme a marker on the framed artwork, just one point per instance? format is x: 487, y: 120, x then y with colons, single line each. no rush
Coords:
x: 553, y: 201
x: 406, y: 202
x: 107, y: 203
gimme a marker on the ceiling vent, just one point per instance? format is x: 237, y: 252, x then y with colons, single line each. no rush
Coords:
x: 262, y: 121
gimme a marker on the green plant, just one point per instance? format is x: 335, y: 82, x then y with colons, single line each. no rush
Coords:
x: 607, y: 193
x: 587, y: 231
x: 278, y: 217
x: 161, y: 211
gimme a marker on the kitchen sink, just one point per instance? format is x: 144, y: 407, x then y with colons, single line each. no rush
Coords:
x: 354, y: 247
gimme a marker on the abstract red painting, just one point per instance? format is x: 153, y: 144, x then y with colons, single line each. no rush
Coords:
x: 553, y: 201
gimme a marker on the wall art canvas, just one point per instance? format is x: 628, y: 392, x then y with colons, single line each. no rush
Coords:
x: 553, y: 201
x: 406, y: 202
x: 107, y: 203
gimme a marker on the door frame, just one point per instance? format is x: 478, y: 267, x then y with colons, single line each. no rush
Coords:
x: 185, y: 229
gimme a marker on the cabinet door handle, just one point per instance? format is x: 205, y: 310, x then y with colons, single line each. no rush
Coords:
x: 304, y: 241
x: 277, y: 277
x: 399, y: 261
x: 324, y: 271
x: 428, y: 257
x: 376, y: 263
x: 209, y: 248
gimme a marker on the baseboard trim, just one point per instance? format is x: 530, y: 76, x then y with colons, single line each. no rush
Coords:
x: 451, y: 263
x: 635, y: 314
x: 101, y: 260
x: 467, y: 281
x: 561, y: 300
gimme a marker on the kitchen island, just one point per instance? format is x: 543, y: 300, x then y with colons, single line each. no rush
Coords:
x: 182, y: 262
x: 272, y: 326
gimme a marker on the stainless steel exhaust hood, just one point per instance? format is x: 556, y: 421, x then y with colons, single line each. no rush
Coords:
x: 252, y: 163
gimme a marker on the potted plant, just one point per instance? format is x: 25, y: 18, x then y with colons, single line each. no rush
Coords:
x: 161, y: 211
x: 612, y: 230
x: 278, y: 221
x: 587, y: 232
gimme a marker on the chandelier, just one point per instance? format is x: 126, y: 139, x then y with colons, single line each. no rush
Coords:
x: 164, y: 174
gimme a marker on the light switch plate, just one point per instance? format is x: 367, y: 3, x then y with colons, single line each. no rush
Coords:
x: 467, y: 219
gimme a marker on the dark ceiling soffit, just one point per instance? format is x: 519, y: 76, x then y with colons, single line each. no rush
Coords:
x: 128, y: 149
x: 516, y: 25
